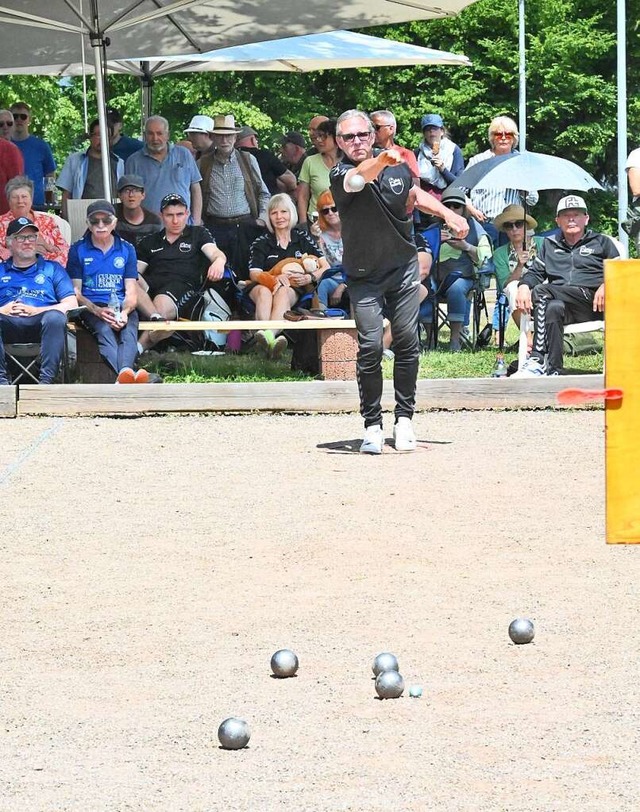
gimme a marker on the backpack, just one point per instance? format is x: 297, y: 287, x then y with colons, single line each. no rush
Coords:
x: 214, y: 309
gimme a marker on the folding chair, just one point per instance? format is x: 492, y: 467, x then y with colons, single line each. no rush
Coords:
x: 23, y: 362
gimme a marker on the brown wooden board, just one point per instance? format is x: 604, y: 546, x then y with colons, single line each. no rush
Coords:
x: 7, y: 401
x: 312, y: 396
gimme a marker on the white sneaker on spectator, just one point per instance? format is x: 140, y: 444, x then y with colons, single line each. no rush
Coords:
x: 403, y: 435
x: 278, y: 347
x: 532, y: 368
x: 373, y: 440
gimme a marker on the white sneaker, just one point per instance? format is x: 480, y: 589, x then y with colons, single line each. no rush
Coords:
x: 532, y: 368
x: 278, y: 347
x: 373, y: 440
x: 403, y: 435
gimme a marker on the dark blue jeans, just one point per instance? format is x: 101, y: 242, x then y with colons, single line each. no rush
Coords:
x: 118, y: 348
x: 397, y: 292
x: 46, y: 328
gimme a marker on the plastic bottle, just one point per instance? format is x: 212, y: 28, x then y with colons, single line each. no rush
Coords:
x: 114, y: 304
x: 500, y: 367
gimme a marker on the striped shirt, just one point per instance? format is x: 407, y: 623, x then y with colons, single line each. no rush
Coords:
x: 492, y: 202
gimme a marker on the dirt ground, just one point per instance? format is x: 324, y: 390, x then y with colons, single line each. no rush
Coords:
x: 151, y: 566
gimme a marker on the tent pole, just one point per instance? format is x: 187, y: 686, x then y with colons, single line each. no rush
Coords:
x: 623, y: 198
x: 97, y: 43
x: 522, y: 76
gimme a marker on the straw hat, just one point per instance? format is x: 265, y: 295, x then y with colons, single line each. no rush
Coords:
x: 512, y: 213
x: 224, y: 125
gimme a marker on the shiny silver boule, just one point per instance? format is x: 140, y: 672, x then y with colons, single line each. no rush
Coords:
x: 356, y: 183
x: 385, y: 662
x: 521, y: 631
x: 389, y: 685
x: 234, y: 733
x: 284, y: 663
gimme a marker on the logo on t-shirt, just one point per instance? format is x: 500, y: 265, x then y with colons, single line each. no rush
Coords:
x: 5, y: 279
x: 40, y: 278
x: 396, y: 185
x: 118, y: 262
x: 184, y: 247
x: 585, y: 251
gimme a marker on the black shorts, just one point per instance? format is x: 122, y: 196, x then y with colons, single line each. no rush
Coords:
x: 182, y: 292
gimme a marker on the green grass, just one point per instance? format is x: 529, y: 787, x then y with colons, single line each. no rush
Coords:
x: 251, y: 367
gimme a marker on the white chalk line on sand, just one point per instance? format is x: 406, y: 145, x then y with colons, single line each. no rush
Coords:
x: 31, y: 449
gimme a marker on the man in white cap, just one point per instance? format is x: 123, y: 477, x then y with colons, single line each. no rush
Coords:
x: 234, y: 195
x: 563, y: 284
x: 199, y: 133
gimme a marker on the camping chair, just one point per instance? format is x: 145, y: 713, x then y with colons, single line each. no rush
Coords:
x: 23, y: 362
x: 77, y: 217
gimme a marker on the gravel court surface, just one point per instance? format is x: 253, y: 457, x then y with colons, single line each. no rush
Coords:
x: 151, y: 566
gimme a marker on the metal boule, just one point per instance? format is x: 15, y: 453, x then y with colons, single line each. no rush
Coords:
x: 284, y: 663
x: 234, y: 733
x: 389, y: 685
x: 521, y: 631
x: 385, y: 661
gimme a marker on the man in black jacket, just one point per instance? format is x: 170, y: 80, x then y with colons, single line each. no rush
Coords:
x: 564, y: 284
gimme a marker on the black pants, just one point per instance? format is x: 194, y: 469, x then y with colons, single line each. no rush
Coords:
x: 235, y: 241
x: 397, y: 292
x: 553, y: 307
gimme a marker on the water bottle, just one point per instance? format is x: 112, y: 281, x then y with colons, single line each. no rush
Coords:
x: 500, y: 367
x: 114, y: 304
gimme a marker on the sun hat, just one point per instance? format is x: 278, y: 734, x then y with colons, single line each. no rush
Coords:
x: 200, y: 124
x: 224, y: 125
x: 510, y: 214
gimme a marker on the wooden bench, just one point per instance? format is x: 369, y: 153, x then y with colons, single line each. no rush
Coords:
x: 337, y: 344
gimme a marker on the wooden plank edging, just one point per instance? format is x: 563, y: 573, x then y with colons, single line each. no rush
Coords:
x: 311, y: 396
x: 8, y: 400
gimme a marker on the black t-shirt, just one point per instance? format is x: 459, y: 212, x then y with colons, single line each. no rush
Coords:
x: 270, y: 167
x: 265, y: 251
x: 136, y: 233
x: 182, y: 259
x: 376, y: 231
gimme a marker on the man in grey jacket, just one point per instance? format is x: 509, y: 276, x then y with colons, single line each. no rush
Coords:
x: 563, y: 284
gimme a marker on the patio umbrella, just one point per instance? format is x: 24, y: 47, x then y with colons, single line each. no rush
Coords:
x: 528, y: 172
x: 38, y: 33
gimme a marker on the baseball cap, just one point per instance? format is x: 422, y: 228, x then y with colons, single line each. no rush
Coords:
x: 293, y: 137
x: 114, y: 116
x: 101, y: 206
x: 431, y: 120
x: 173, y: 199
x: 130, y: 180
x: 571, y: 202
x: 16, y: 226
x: 453, y: 195
x: 200, y: 124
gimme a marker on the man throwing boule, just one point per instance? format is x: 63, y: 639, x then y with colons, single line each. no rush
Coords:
x: 380, y: 259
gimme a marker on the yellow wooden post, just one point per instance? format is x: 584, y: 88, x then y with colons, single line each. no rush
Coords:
x: 622, y: 419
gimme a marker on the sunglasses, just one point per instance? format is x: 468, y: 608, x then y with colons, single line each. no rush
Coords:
x: 328, y: 209
x: 6, y: 123
x: 513, y: 224
x: 349, y: 137
x: 26, y: 237
x: 97, y: 221
x: 455, y: 205
x: 21, y: 116
x: 378, y: 127
x: 504, y: 135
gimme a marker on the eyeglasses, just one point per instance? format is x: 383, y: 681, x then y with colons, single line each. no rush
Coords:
x: 328, y: 209
x: 378, y: 127
x: 21, y: 116
x: 26, y: 237
x: 101, y: 221
x: 504, y: 135
x: 349, y: 137
x: 455, y: 205
x: 131, y: 189
x: 320, y: 136
x: 6, y: 123
x: 513, y: 224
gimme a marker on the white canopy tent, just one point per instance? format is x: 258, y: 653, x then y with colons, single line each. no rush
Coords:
x: 37, y: 34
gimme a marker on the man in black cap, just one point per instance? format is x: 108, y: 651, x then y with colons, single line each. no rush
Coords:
x: 175, y: 263
x: 274, y: 173
x: 35, y: 295
x: 134, y: 221
x: 293, y: 151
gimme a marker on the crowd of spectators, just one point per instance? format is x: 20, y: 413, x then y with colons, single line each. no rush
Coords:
x: 189, y: 208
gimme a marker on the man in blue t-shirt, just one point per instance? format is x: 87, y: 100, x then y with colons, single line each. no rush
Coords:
x: 39, y: 163
x: 35, y: 295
